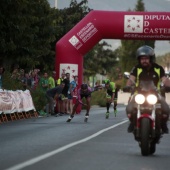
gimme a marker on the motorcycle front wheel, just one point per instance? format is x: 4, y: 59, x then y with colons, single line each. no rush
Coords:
x: 152, y: 148
x: 145, y: 132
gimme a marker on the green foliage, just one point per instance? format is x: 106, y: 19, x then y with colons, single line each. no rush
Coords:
x: 26, y: 32
x: 99, y: 60
x: 99, y: 98
x: 30, y: 30
x: 164, y: 60
x: 39, y: 98
x: 69, y: 17
x: 140, y: 6
x: 10, y: 83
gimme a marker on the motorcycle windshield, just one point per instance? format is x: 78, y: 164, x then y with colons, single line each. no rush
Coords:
x: 146, y: 86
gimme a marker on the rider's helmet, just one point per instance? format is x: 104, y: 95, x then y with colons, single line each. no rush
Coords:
x: 84, y: 86
x: 107, y: 81
x: 145, y: 50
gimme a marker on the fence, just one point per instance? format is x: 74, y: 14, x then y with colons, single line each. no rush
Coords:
x: 16, y: 105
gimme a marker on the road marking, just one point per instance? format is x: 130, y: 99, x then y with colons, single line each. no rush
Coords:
x: 49, y: 154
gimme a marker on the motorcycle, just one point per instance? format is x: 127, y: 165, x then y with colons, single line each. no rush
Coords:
x: 148, y: 130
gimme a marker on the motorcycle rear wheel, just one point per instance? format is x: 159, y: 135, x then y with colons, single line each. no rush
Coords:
x: 145, y: 131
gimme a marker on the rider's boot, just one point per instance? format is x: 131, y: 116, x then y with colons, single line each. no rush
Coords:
x: 165, y: 128
x: 86, y: 118
x: 107, y: 114
x: 70, y: 118
x: 131, y: 126
x: 115, y: 111
x: 164, y: 124
x: 107, y: 108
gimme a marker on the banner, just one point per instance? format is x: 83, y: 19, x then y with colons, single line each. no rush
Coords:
x: 15, y: 101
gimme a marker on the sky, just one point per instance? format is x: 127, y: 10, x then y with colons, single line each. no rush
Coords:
x: 161, y: 47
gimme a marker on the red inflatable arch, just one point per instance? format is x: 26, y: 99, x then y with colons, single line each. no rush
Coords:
x: 98, y: 25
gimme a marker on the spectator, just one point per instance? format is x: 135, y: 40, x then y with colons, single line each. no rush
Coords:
x: 22, y: 77
x: 44, y: 82
x: 35, y: 78
x: 27, y: 81
x: 15, y: 74
x: 59, y: 103
x: 72, y: 87
x: 44, y: 88
x: 52, y: 95
x: 51, y: 80
x: 65, y: 92
x: 61, y: 79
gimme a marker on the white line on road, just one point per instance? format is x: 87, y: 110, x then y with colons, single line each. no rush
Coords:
x: 49, y: 154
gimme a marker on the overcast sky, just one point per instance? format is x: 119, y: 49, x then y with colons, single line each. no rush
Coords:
x: 161, y: 47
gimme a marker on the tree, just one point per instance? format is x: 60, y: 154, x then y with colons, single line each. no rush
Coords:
x: 26, y: 32
x: 99, y: 60
x: 164, y: 60
x: 67, y: 18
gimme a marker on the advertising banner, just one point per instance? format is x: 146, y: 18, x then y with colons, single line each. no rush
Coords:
x: 15, y: 101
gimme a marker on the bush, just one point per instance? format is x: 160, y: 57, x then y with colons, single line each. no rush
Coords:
x: 39, y: 98
x: 10, y: 83
x: 99, y: 98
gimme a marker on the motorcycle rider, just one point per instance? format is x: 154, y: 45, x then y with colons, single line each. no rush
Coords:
x: 147, y: 70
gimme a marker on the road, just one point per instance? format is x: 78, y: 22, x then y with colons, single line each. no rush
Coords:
x: 49, y: 143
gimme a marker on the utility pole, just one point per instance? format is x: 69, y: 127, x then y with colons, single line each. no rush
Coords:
x: 55, y: 5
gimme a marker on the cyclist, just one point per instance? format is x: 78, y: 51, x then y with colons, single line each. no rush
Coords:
x: 83, y: 92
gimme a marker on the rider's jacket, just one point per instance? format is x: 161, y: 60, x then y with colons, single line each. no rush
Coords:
x: 85, y: 94
x: 112, y: 87
x: 154, y: 73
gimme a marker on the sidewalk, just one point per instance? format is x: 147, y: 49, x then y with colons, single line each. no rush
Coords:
x: 123, y: 98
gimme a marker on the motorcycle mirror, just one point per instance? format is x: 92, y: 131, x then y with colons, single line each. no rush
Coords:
x: 126, y: 75
x: 167, y: 74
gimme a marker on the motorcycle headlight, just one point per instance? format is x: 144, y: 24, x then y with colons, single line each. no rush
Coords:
x: 152, y: 99
x: 139, y: 99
